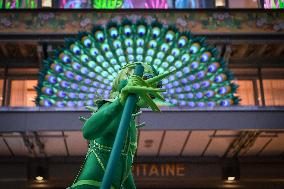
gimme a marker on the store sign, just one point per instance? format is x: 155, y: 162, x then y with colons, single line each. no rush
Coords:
x: 159, y: 170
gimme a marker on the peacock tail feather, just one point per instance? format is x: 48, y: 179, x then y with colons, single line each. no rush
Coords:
x: 84, y: 70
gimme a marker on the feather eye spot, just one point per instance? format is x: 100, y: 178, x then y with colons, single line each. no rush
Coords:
x: 194, y: 48
x: 194, y: 65
x: 169, y: 36
x: 64, y: 58
x: 113, y: 32
x: 141, y: 30
x: 127, y: 30
x: 205, y: 56
x: 99, y: 35
x: 182, y: 41
x: 87, y: 42
x: 156, y: 32
x: 84, y: 58
x: 75, y: 49
x: 57, y: 68
x: 213, y: 67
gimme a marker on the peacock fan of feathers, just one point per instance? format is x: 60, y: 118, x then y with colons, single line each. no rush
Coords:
x: 83, y: 71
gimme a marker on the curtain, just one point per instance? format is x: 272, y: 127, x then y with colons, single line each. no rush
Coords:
x: 245, y: 92
x: 274, y: 92
x: 22, y: 92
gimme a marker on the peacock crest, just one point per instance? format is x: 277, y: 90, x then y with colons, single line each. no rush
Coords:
x: 84, y: 70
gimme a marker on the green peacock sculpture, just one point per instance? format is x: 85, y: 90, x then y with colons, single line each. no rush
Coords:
x: 85, y: 69
x: 96, y: 69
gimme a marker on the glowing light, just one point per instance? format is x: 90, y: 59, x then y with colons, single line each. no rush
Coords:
x: 39, y: 178
x: 231, y: 178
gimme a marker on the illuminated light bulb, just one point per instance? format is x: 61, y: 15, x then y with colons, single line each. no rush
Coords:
x: 80, y: 103
x: 64, y: 58
x: 211, y: 104
x: 171, y: 78
x: 64, y: 84
x: 84, y: 58
x: 189, y: 95
x: 205, y: 56
x: 72, y: 95
x: 76, y: 66
x: 200, y: 74
x: 92, y: 74
x: 225, y: 103
x: 57, y: 68
x: 84, y: 70
x: 179, y: 74
x: 60, y: 104
x: 205, y: 84
x: 191, y: 104
x: 194, y: 48
x: 95, y: 84
x: 99, y: 91
x: 186, y: 70
x: 90, y: 102
x: 191, y: 77
x: 107, y: 92
x: 94, y: 51
x: 178, y: 90
x: 200, y: 104
x: 172, y: 91
x: 84, y: 88
x: 220, y: 78
x: 181, y: 96
x: 176, y: 83
x: 51, y: 79
x: 78, y: 78
x: 194, y: 65
x: 91, y: 64
x: 184, y: 81
x: 213, y: 67
x: 165, y: 64
x: 39, y: 178
x: 46, y: 103
x: 231, y: 178
x: 165, y: 81
x: 182, y: 103
x: 69, y: 74
x: 199, y: 95
x: 61, y: 94
x: 70, y: 104
x: 224, y: 90
x: 209, y: 94
x: 91, y: 96
x: 86, y: 41
x: 92, y: 89
x: 48, y: 91
x: 100, y: 78
x: 87, y: 81
x: 196, y: 86
x: 82, y: 95
x: 174, y: 101
x: 187, y: 88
